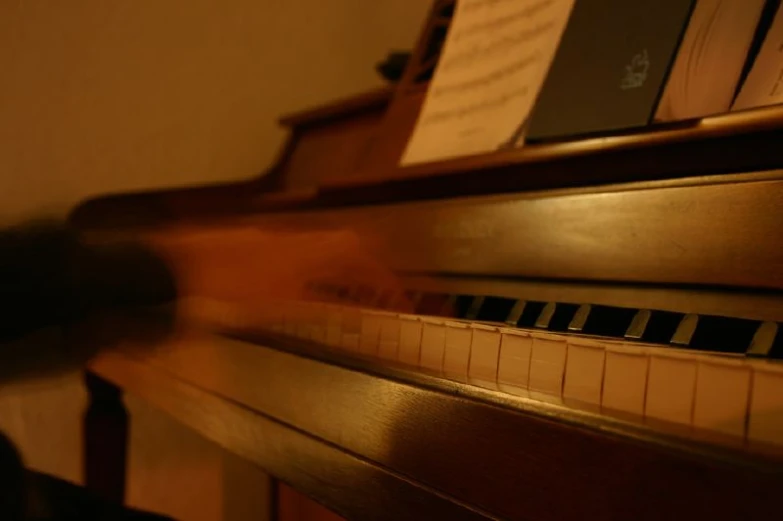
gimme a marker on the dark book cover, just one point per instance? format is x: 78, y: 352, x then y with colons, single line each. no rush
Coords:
x: 610, y: 68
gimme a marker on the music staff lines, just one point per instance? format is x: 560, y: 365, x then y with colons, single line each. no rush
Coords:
x: 489, y: 78
x: 505, y: 43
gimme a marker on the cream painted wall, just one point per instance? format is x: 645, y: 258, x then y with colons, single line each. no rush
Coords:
x: 102, y: 96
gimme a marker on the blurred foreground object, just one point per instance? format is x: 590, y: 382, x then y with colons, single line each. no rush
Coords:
x: 50, y: 278
x: 51, y: 282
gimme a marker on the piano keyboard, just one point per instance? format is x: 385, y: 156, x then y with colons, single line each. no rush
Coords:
x: 722, y: 397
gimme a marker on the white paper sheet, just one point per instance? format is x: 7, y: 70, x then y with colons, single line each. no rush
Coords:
x: 494, y: 61
x: 764, y: 84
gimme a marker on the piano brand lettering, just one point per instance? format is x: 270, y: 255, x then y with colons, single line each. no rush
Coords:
x: 636, y: 71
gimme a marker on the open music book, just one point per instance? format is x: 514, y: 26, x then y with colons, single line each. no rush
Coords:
x: 764, y: 85
x: 710, y: 60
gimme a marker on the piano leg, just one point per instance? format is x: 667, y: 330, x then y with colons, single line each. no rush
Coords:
x: 105, y: 439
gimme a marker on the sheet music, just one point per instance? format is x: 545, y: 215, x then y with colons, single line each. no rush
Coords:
x: 494, y: 61
x: 764, y: 84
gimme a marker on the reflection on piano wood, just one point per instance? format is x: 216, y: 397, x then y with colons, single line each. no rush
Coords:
x: 632, y: 330
x: 577, y: 330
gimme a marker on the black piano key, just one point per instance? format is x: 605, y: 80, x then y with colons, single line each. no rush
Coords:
x: 412, y: 299
x: 685, y: 329
x: 763, y: 340
x: 638, y: 325
x: 385, y: 299
x: 474, y: 308
x: 776, y: 351
x: 516, y: 313
x: 562, y: 317
x: 530, y: 314
x: 577, y: 323
x: 495, y: 309
x: 608, y: 321
x: 662, y: 326
x: 724, y: 335
x: 543, y: 320
x: 462, y: 305
x: 434, y: 304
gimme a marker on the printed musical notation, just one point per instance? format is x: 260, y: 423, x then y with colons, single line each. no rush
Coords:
x: 494, y: 62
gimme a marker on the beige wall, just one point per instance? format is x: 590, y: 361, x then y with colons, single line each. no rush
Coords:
x: 101, y: 96
x: 104, y: 96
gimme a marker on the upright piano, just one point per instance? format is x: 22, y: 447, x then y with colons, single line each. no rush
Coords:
x: 587, y: 329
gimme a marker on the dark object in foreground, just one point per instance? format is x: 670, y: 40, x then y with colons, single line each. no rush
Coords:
x: 50, y: 277
x: 50, y: 280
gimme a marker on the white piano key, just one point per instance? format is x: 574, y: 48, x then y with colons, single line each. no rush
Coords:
x: 370, y: 333
x: 722, y: 396
x: 514, y: 359
x: 433, y: 344
x: 334, y: 326
x: 390, y: 337
x: 410, y: 340
x: 671, y: 387
x: 484, y: 353
x: 317, y: 323
x: 584, y: 373
x: 351, y: 326
x: 547, y: 364
x: 765, y: 424
x: 625, y: 379
x: 457, y: 351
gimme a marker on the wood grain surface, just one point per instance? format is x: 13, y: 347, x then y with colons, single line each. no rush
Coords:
x: 447, y: 438
x: 351, y: 486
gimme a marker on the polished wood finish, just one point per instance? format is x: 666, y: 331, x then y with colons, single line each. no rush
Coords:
x: 683, y: 217
x: 331, y: 152
x: 352, y: 486
x: 340, y: 109
x: 487, y: 449
x: 627, y: 235
x: 724, y: 143
x: 358, y: 164
x: 325, y: 145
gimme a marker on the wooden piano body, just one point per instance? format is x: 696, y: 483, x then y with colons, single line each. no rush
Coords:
x: 661, y: 246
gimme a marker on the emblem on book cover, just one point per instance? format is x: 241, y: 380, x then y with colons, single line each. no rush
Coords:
x: 636, y: 71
